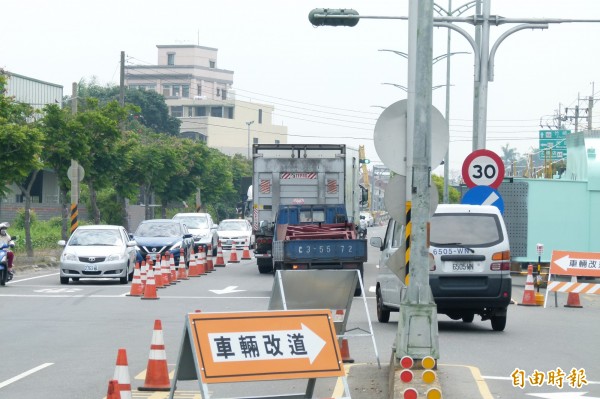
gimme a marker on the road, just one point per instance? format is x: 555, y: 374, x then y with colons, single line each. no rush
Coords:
x: 62, y: 341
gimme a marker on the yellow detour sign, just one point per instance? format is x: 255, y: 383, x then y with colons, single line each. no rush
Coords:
x: 273, y: 345
x: 575, y: 263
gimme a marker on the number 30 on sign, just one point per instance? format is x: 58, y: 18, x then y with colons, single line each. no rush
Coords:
x: 483, y: 168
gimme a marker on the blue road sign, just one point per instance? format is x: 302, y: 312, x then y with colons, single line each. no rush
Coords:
x: 484, y: 195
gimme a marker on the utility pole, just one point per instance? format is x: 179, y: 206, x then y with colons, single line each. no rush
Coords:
x: 74, y: 170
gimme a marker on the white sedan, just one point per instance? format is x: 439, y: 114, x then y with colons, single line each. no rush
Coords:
x: 235, y: 231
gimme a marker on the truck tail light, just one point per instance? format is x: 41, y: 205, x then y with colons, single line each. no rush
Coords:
x: 299, y: 267
x: 500, y: 261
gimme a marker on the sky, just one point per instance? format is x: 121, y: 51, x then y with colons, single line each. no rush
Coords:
x: 326, y: 83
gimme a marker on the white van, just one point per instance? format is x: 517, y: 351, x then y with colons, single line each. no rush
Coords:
x: 470, y: 272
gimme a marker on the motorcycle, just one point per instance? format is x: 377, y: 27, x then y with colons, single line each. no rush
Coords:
x: 5, y: 275
x: 362, y: 233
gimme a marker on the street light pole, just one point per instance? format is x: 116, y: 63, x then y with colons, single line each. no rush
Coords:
x: 249, y: 123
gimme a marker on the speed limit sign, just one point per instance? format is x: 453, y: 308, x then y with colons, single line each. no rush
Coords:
x: 483, y: 168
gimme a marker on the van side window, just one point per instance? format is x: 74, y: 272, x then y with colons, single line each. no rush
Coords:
x: 398, y: 235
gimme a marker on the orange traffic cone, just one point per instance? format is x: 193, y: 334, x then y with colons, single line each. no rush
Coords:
x: 193, y: 272
x: 136, y: 284
x: 171, y: 262
x: 573, y: 298
x: 201, y: 262
x: 345, y: 349
x: 150, y: 288
x: 166, y: 273
x: 529, y: 293
x: 233, y: 258
x: 209, y: 259
x: 113, y: 390
x: 220, y: 262
x: 246, y: 253
x: 157, y: 372
x: 181, y: 269
x: 157, y: 271
x: 122, y: 375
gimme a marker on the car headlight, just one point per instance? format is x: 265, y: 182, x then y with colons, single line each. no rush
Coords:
x: 113, y: 257
x: 69, y: 256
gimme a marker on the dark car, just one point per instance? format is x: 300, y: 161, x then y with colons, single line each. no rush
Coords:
x: 156, y: 237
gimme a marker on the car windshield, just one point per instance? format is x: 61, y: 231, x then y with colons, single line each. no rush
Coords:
x: 96, y: 237
x: 232, y: 225
x: 465, y: 229
x: 195, y: 222
x: 158, y: 230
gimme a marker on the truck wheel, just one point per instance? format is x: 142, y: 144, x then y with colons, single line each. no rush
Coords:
x: 383, y: 313
x: 468, y: 317
x: 264, y: 265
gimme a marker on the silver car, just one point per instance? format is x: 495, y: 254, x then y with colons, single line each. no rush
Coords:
x: 98, y: 251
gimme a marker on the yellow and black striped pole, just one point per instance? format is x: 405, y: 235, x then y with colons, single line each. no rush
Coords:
x: 407, y: 234
x: 74, y: 214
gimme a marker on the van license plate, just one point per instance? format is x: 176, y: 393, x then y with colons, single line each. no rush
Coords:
x: 463, y: 267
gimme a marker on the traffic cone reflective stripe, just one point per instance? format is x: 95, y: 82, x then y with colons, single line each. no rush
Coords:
x: 122, y: 375
x: 113, y: 390
x: 143, y: 274
x: 246, y: 252
x: 529, y: 293
x: 573, y: 298
x: 150, y: 287
x: 233, y: 258
x: 220, y: 262
x: 157, y: 372
x: 181, y: 269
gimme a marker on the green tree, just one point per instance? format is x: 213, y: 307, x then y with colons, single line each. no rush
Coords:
x: 21, y: 144
x: 453, y: 194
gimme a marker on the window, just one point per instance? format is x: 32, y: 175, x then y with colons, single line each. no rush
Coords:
x: 176, y: 91
x: 177, y: 112
x: 185, y: 91
x: 218, y: 92
x: 224, y: 94
x: 190, y: 111
x: 216, y: 112
x: 166, y: 91
x: 171, y: 59
x: 260, y: 116
x: 212, y: 64
x: 199, y: 90
x: 255, y: 140
x: 229, y: 112
x: 276, y: 141
x: 200, y: 111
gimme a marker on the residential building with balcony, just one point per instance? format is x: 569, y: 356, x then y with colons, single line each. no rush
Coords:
x: 200, y: 94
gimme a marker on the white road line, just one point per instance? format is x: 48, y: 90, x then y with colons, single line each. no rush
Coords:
x: 31, y: 278
x: 25, y: 374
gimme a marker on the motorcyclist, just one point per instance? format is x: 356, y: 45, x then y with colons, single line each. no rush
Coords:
x: 5, y: 238
x: 362, y: 226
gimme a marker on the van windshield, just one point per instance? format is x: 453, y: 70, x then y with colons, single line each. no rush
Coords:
x: 469, y: 229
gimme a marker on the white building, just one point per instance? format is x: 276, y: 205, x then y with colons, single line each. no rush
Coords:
x: 200, y: 94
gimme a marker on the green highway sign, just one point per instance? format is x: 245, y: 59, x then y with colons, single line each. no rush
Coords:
x: 553, y: 142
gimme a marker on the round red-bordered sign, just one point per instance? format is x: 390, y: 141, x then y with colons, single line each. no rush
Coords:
x: 483, y: 168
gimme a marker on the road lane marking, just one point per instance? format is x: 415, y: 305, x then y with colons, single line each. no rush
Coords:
x: 31, y: 278
x: 25, y: 374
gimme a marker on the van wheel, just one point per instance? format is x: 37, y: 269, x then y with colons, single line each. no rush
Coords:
x: 383, y: 313
x: 468, y: 318
x: 498, y: 322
